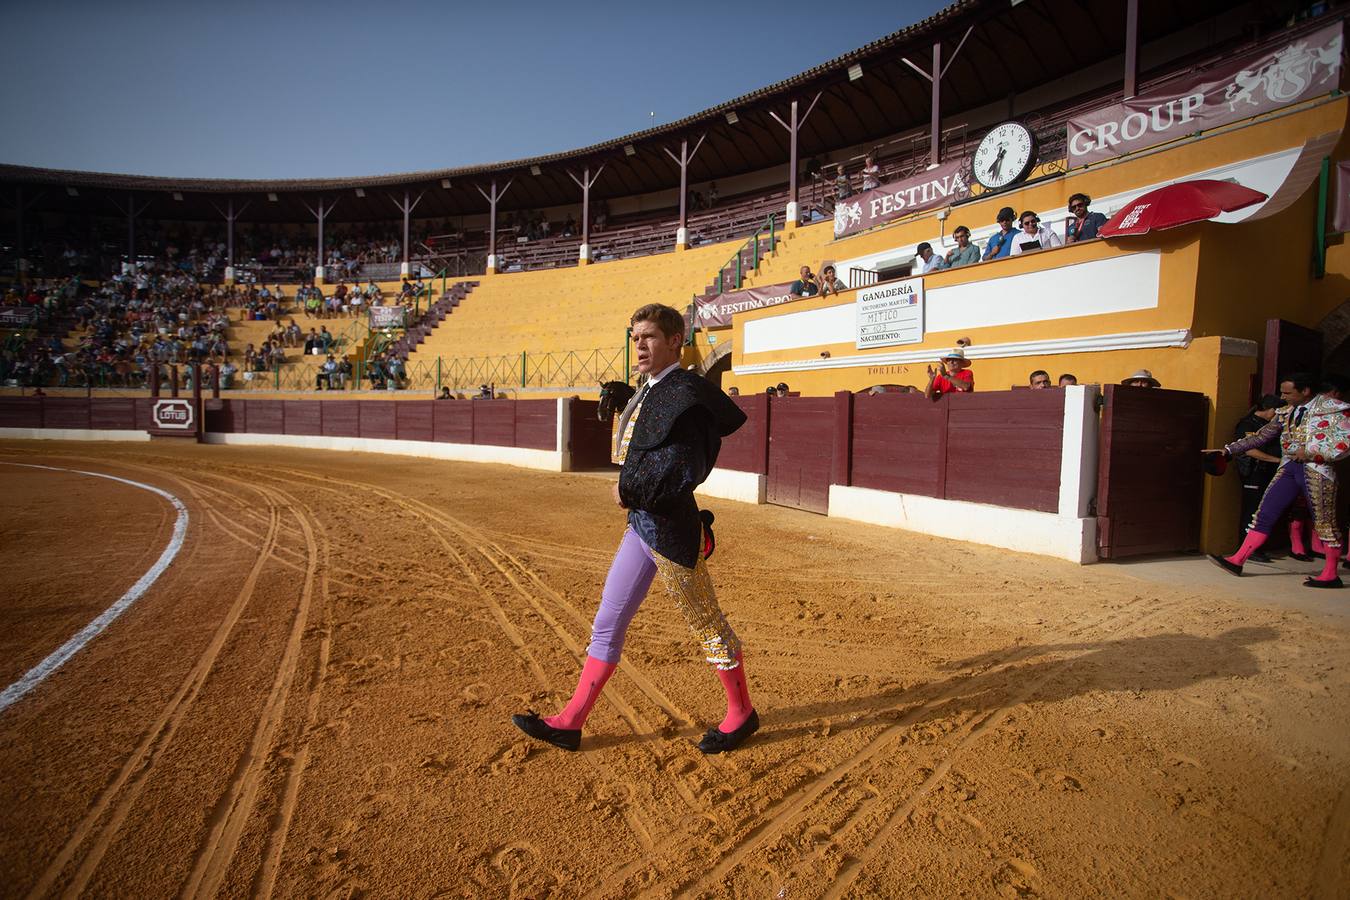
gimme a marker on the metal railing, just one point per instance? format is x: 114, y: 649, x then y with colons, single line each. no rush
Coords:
x: 748, y: 255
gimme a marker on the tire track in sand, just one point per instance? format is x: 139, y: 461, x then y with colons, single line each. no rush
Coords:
x: 776, y: 817
x: 117, y: 798
x: 235, y: 807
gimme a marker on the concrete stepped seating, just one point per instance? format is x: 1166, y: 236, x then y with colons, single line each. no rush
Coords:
x: 572, y: 309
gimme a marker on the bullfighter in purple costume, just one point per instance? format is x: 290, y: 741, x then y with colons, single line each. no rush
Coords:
x: 668, y: 438
x: 1314, y: 432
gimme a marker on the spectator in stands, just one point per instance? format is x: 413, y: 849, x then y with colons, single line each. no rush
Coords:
x: 733, y: 391
x: 929, y: 261
x: 325, y: 338
x: 326, y: 373
x: 444, y: 394
x: 712, y: 194
x: 1142, y: 378
x: 313, y: 345
x: 227, y: 373
x: 843, y: 189
x: 294, y: 335
x: 782, y: 389
x: 829, y: 284
x: 771, y: 391
x: 953, y: 375
x: 964, y: 253
x: 343, y: 374
x: 1040, y: 380
x: 1000, y: 245
x: 805, y: 285
x: 1033, y: 236
x: 1067, y: 379
x: 871, y: 173
x: 1082, y: 225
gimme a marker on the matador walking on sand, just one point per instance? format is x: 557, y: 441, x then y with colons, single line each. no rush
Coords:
x: 667, y: 439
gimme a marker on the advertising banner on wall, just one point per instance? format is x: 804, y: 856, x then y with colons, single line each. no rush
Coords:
x: 942, y: 186
x: 18, y: 316
x: 889, y: 314
x: 716, y: 312
x: 1304, y: 67
x: 388, y: 317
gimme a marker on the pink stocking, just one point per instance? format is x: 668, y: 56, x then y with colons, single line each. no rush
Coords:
x: 739, y: 706
x: 1296, y: 544
x: 1329, y: 570
x: 594, y: 674
x: 1253, y: 540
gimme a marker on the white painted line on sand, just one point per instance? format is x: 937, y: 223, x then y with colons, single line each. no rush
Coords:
x: 34, y: 676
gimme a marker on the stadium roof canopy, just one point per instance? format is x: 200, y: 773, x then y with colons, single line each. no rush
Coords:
x: 1006, y: 47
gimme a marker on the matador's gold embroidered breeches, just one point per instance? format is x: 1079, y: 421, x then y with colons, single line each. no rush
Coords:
x: 630, y: 577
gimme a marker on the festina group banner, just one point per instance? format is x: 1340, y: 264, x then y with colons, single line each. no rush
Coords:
x: 388, y: 316
x: 715, y: 312
x: 942, y: 186
x: 1304, y: 67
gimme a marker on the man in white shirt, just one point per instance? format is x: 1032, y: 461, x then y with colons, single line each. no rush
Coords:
x: 1033, y: 236
x: 930, y: 261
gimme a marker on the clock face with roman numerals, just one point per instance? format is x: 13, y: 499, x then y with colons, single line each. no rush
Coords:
x: 1005, y: 156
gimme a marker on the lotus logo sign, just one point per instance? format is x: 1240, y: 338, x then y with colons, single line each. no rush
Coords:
x: 175, y: 415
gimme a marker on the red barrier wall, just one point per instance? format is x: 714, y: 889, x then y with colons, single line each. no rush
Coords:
x: 529, y: 424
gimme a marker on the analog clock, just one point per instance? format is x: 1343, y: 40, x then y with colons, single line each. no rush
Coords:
x: 1005, y: 156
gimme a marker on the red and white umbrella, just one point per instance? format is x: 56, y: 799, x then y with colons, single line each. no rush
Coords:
x: 1179, y: 204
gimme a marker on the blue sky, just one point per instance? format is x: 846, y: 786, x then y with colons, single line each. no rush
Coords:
x: 278, y: 90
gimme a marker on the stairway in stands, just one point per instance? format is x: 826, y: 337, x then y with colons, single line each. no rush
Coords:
x: 435, y: 314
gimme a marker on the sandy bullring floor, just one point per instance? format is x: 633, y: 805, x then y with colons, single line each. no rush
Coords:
x: 314, y: 699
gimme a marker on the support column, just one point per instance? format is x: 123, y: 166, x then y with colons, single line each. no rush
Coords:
x: 586, y: 182
x: 406, y: 207
x: 934, y: 77
x: 935, y: 130
x: 132, y: 211
x: 793, y: 127
x: 1131, y: 48
x: 230, y: 216
x: 492, y: 199
x: 683, y: 161
x: 320, y: 214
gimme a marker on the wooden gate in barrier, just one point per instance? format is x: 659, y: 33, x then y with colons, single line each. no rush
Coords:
x: 801, y: 443
x: 1149, y: 476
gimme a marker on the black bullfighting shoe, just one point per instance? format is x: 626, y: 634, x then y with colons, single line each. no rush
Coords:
x: 1319, y: 583
x: 1230, y: 567
x: 718, y: 741
x: 537, y: 728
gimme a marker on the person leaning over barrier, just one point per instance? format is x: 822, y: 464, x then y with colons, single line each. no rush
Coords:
x: 964, y: 253
x: 1033, y: 236
x: 1082, y: 225
x: 1000, y: 245
x: 953, y: 375
x: 1067, y: 380
x: 829, y: 283
x: 1039, y: 380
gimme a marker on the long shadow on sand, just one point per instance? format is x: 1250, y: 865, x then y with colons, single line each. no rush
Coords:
x: 1156, y: 663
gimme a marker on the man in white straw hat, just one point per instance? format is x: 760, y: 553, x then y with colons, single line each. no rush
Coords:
x: 1141, y: 378
x: 952, y: 376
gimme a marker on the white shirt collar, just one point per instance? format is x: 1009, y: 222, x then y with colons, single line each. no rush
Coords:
x: 663, y: 373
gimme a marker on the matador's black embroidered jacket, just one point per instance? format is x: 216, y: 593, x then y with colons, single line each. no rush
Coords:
x: 675, y: 444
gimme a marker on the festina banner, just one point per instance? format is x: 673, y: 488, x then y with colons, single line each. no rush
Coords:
x: 388, y: 316
x: 941, y: 186
x: 715, y: 312
x: 1301, y: 68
